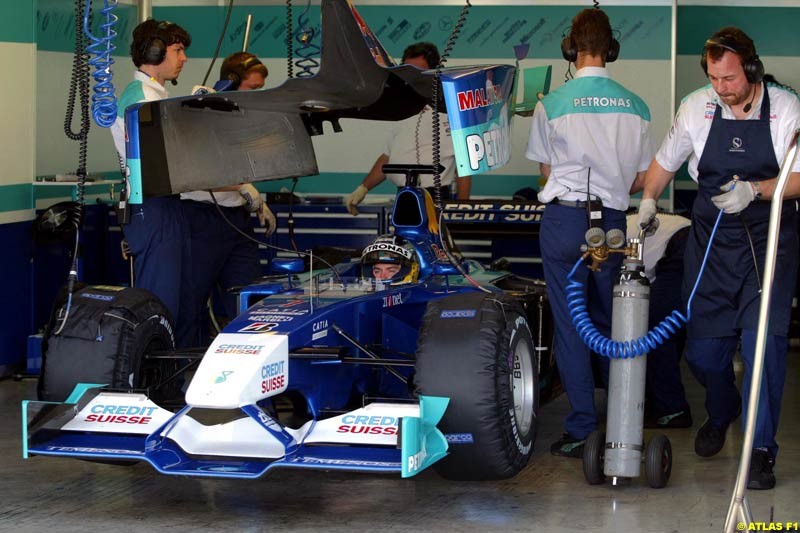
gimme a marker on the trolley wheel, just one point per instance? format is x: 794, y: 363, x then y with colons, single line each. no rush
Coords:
x: 593, y: 453
x: 658, y: 461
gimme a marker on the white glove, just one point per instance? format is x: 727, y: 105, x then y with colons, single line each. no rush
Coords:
x: 355, y: 198
x: 254, y: 203
x: 267, y: 218
x: 738, y: 195
x: 199, y: 90
x: 647, y: 212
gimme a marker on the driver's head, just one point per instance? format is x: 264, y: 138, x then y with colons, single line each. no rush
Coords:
x: 390, y: 259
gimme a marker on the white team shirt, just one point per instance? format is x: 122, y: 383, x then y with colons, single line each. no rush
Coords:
x: 611, y: 140
x: 143, y: 88
x: 401, y: 147
x: 689, y: 132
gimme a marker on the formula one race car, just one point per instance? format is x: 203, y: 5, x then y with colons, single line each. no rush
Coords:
x: 333, y: 371
x: 324, y: 369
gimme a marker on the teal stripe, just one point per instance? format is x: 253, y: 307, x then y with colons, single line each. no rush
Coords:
x: 774, y: 29
x: 17, y: 21
x: 16, y: 197
x: 592, y: 94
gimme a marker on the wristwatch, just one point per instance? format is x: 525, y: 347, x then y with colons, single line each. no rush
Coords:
x: 756, y: 189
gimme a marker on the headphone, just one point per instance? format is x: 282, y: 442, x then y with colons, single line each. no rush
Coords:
x: 570, y: 52
x: 154, y: 49
x: 238, y: 72
x: 751, y: 63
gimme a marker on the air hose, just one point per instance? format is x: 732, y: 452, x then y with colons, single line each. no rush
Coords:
x: 104, y: 101
x: 308, y: 51
x: 613, y: 349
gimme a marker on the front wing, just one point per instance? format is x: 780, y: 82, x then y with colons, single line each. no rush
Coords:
x: 109, y: 426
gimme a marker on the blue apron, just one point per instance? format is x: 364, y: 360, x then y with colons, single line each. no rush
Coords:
x: 727, y: 299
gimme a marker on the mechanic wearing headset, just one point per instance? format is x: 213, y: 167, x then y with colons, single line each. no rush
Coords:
x: 591, y: 138
x: 222, y: 254
x: 734, y: 132
x: 157, y: 231
x: 411, y: 141
x: 390, y: 259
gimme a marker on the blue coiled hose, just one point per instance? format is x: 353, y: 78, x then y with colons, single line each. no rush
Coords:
x: 104, y: 101
x: 606, y: 347
x: 308, y: 51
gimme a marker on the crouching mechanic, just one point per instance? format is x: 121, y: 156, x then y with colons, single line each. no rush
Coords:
x: 390, y: 259
x: 665, y: 397
x: 221, y: 236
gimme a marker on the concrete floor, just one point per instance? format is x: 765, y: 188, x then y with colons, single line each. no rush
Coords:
x: 62, y: 495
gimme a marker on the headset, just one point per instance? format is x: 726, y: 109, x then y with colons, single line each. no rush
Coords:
x: 751, y: 63
x: 237, y: 73
x: 154, y: 49
x: 570, y: 52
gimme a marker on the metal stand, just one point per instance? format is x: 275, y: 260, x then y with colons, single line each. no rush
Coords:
x: 739, y: 510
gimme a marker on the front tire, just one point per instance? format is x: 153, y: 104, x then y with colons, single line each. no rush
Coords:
x: 477, y: 350
x: 106, y: 343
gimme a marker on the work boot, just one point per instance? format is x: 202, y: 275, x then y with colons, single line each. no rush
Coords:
x: 761, y: 476
x: 710, y: 439
x: 680, y: 419
x: 567, y: 446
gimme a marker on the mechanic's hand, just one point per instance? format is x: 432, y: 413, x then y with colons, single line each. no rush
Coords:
x: 267, y: 219
x: 199, y: 90
x: 252, y: 199
x: 355, y: 198
x: 738, y: 195
x: 647, y: 213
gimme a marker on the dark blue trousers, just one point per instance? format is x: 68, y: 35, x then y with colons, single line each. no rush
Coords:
x: 222, y: 258
x: 157, y: 237
x: 711, y: 361
x: 561, y: 235
x: 664, y: 385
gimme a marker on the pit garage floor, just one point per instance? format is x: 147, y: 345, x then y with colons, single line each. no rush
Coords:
x: 61, y: 495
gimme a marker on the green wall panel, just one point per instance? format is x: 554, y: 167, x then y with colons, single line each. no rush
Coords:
x: 17, y: 21
x: 774, y: 29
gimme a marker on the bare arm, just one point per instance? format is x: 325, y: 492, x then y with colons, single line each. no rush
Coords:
x: 638, y: 183
x: 792, y: 188
x: 544, y: 169
x: 655, y: 181
x: 463, y: 187
x: 376, y: 175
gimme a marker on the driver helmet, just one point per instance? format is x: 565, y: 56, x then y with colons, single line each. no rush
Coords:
x: 390, y: 259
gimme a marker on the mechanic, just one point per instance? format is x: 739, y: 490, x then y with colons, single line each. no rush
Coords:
x: 157, y: 232
x: 734, y: 132
x: 224, y: 250
x: 591, y: 138
x: 411, y: 141
x: 665, y: 397
x: 390, y: 258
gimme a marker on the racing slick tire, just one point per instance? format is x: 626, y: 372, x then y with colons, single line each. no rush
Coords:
x: 476, y: 349
x: 107, y: 334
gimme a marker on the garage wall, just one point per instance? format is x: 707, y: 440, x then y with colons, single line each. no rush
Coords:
x: 17, y: 141
x: 491, y: 30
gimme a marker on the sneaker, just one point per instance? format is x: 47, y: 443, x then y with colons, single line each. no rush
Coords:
x: 710, y: 439
x: 681, y: 419
x: 761, y: 475
x: 567, y: 446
